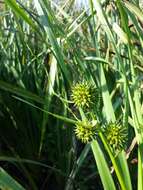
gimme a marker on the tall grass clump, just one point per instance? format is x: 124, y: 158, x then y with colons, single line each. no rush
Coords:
x: 71, y: 95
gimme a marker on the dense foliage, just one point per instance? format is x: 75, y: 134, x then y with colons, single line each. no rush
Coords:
x: 71, y: 114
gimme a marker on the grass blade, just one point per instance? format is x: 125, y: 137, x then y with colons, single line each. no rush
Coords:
x: 109, y: 111
x: 140, y: 167
x: 121, y: 171
x: 7, y: 182
x: 19, y: 11
x: 102, y: 166
x: 42, y: 10
x: 20, y: 92
x: 122, y: 163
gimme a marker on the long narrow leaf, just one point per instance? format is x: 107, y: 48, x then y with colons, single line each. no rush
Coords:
x: 102, y: 166
x: 20, y: 92
x: 7, y: 182
x: 19, y: 11
x: 122, y: 163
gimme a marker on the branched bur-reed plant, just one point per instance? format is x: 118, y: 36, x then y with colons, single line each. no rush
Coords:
x: 113, y: 135
x: 86, y: 97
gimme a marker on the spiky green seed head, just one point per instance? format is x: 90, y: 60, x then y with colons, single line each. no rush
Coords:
x: 86, y: 131
x: 116, y: 136
x: 84, y: 95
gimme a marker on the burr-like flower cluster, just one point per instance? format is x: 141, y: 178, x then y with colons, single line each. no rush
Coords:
x: 86, y: 130
x: 116, y: 136
x: 84, y: 95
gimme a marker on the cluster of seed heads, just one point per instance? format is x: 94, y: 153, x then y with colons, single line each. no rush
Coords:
x: 86, y: 96
x: 86, y: 131
x: 116, y: 136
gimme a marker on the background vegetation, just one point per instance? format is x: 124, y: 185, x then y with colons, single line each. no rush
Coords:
x: 45, y: 49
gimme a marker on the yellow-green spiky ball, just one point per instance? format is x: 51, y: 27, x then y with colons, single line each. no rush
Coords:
x: 84, y: 95
x: 86, y: 130
x: 116, y: 136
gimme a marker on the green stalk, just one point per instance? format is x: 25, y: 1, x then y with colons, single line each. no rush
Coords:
x: 102, y: 166
x: 125, y: 183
